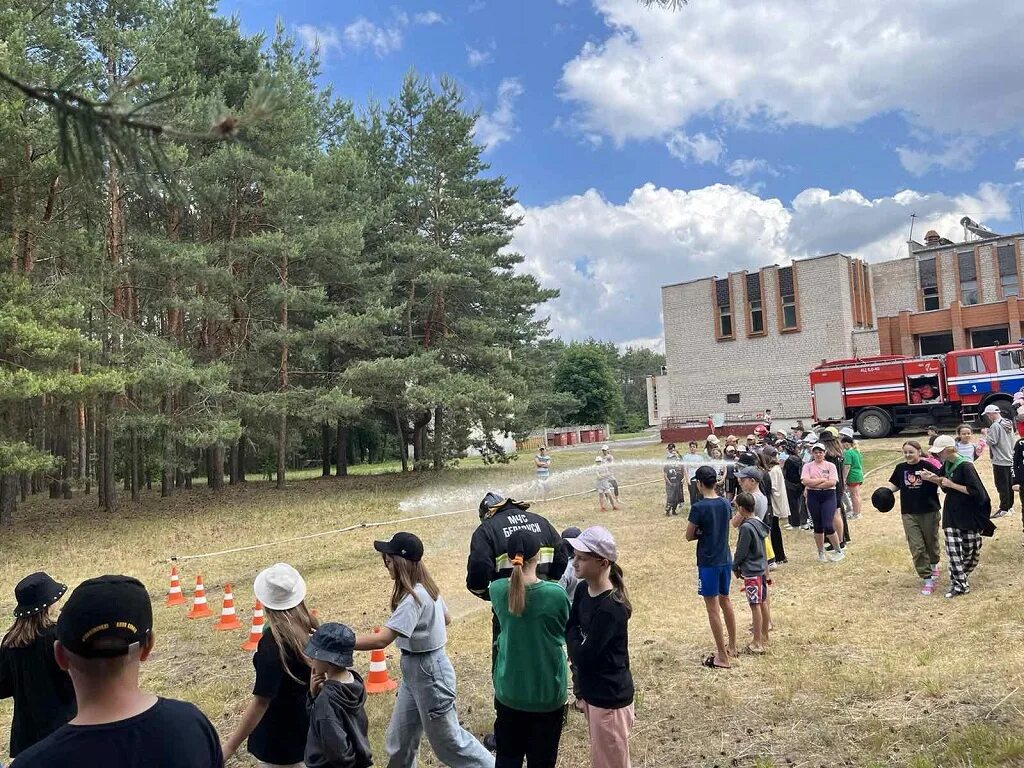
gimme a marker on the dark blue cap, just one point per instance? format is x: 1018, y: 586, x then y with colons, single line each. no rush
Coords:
x: 332, y: 643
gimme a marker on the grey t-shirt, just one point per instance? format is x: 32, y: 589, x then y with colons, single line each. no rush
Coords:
x: 419, y: 625
x: 760, y: 505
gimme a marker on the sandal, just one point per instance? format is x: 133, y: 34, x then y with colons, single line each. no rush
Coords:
x: 748, y: 649
x: 709, y: 662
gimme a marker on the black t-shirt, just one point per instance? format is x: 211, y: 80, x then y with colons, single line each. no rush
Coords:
x: 916, y: 496
x: 44, y: 698
x: 280, y: 736
x: 597, y: 636
x: 170, y: 734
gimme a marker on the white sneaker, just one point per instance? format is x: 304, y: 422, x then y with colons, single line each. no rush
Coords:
x: 822, y: 558
x: 837, y: 556
x: 1000, y: 513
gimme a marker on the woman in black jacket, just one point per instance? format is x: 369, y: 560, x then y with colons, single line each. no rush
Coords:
x: 965, y: 512
x: 792, y: 468
x: 44, y: 698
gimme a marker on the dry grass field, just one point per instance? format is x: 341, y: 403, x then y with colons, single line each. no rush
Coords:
x: 862, y: 671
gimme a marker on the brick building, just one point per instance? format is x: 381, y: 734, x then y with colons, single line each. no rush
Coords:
x: 746, y: 342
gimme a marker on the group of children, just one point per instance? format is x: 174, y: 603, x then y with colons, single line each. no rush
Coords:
x: 81, y: 697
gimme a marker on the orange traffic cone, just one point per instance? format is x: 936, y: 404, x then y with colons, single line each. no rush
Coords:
x: 378, y: 681
x: 174, y: 594
x: 228, y: 619
x: 200, y: 610
x: 257, y: 628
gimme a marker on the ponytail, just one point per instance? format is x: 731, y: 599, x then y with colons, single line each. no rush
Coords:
x: 619, y: 592
x: 516, y: 588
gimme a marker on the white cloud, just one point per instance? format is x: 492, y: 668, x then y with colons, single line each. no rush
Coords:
x: 823, y: 64
x: 744, y: 167
x: 700, y: 147
x: 1019, y: 165
x: 498, y: 126
x: 364, y: 34
x: 610, y: 260
x: 478, y: 57
x: 958, y: 155
x: 324, y: 39
x: 428, y: 18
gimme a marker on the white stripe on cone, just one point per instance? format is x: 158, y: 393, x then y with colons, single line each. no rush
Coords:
x: 200, y: 599
x: 228, y: 611
x: 378, y: 666
x: 174, y: 590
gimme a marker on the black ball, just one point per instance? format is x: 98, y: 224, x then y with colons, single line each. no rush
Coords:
x: 883, y: 499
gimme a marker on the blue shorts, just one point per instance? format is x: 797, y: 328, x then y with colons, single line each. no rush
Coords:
x: 713, y: 580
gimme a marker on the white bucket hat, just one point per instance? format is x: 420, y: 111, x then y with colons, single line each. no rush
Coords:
x: 279, y: 587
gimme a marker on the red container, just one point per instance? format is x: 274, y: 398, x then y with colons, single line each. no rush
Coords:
x: 600, y: 436
x: 571, y: 438
x: 586, y: 436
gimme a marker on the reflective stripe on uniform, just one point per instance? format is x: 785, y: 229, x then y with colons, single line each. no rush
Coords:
x: 545, y: 555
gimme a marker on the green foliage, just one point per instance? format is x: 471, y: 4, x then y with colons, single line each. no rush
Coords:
x: 583, y: 371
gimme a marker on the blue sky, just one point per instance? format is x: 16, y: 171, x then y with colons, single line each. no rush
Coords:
x: 652, y: 147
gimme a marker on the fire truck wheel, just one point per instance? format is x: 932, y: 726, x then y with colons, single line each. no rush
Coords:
x: 873, y: 423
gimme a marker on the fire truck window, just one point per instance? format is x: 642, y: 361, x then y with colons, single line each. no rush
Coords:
x: 969, y: 364
x: 1010, y: 359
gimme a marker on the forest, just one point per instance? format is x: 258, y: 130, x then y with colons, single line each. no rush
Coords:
x: 327, y: 284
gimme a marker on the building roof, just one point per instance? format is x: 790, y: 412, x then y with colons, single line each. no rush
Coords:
x: 919, y: 248
x: 758, y: 269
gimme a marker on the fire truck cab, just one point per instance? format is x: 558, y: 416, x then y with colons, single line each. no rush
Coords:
x: 885, y: 394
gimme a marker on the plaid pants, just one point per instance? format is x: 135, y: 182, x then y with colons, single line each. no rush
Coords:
x: 963, y: 549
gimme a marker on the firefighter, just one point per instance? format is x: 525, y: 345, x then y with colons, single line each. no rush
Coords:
x: 488, y: 553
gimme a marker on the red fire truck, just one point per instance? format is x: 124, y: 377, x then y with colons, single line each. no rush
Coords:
x: 885, y: 394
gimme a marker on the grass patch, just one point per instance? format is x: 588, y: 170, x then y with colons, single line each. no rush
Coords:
x: 863, y: 670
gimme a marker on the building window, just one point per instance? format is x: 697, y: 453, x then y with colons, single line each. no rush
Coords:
x: 990, y: 337
x: 929, y: 281
x: 754, y: 305
x: 936, y: 343
x: 787, y: 299
x: 723, y: 302
x: 968, y: 278
x: 1008, y: 281
x: 732, y: 399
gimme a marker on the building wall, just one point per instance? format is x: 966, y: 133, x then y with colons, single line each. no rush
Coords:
x: 768, y: 371
x: 894, y: 285
x: 659, y: 400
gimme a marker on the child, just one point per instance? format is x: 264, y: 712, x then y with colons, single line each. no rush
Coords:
x: 597, y: 638
x: 853, y: 465
x: 276, y: 722
x: 604, y: 484
x: 751, y: 564
x: 569, y: 579
x: 426, y: 695
x: 820, y: 478
x: 543, y: 464
x: 691, y: 460
x: 708, y: 525
x: 673, y: 471
x: 530, y: 671
x: 338, y: 726
x: 44, y: 698
x: 965, y: 444
x: 919, y: 510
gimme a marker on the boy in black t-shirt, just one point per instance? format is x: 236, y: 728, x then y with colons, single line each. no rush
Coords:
x: 103, y: 634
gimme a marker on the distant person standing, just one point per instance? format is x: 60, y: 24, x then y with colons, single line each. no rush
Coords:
x: 604, y: 484
x: 542, y: 462
x: 933, y: 432
x: 606, y: 454
x: 1000, y: 437
x: 692, y: 460
x: 673, y: 471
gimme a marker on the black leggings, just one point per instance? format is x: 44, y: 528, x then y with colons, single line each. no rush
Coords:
x: 778, y: 545
x: 530, y: 735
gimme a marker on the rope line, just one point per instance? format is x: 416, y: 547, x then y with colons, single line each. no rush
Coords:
x: 378, y: 524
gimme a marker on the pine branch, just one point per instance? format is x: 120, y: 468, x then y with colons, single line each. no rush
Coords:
x: 92, y: 133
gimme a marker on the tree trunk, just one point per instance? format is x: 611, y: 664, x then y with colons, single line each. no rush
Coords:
x: 233, y: 465
x: 341, y: 451
x: 8, y: 498
x: 107, y: 451
x: 325, y: 449
x: 282, y: 430
x: 401, y: 442
x: 216, y: 464
x: 134, y: 464
x: 438, y: 438
x: 241, y: 458
x: 90, y: 441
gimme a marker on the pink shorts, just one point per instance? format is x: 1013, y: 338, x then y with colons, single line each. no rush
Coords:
x: 756, y: 589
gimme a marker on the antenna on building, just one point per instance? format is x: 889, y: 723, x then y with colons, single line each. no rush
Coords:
x: 910, y: 240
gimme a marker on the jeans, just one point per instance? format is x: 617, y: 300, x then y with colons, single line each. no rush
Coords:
x: 426, y: 702
x: 531, y: 735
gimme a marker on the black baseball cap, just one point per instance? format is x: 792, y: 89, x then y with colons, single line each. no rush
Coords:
x: 105, y: 617
x: 706, y: 476
x: 522, y: 542
x: 402, y: 544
